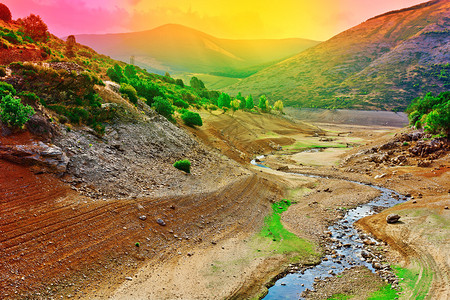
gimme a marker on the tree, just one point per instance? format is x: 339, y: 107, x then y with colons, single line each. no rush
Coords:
x: 242, y: 103
x: 70, y: 43
x: 432, y: 112
x: 130, y: 71
x: 249, y: 102
x: 13, y: 113
x: 183, y: 165
x: 163, y: 107
x: 224, y: 101
x: 278, y: 105
x: 5, y: 13
x: 234, y: 105
x: 262, y: 103
x: 179, y: 82
x: 197, y: 84
x: 192, y: 118
x: 35, y: 28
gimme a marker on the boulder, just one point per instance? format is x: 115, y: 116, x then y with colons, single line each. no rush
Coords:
x: 48, y: 156
x: 392, y: 218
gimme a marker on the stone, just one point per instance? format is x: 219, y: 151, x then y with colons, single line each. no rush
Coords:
x: 128, y: 278
x: 143, y: 217
x: 161, y: 222
x: 392, y: 218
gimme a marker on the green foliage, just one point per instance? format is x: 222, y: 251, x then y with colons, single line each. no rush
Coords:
x: 183, y: 165
x: 197, y: 84
x: 13, y: 113
x: 263, y: 103
x: 130, y: 71
x: 6, y: 89
x: 242, y: 103
x: 147, y: 89
x: 433, y: 112
x: 180, y: 103
x: 179, y: 82
x: 191, y: 118
x: 163, y: 107
x: 278, y: 105
x: 386, y: 293
x: 116, y: 74
x: 249, y: 104
x: 130, y: 91
x: 235, y: 105
x: 224, y: 101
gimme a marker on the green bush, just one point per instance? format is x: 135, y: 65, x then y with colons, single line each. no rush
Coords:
x: 431, y: 112
x: 183, y: 165
x: 13, y: 113
x: 163, y: 107
x: 130, y: 91
x: 6, y: 89
x: 180, y: 103
x: 191, y: 118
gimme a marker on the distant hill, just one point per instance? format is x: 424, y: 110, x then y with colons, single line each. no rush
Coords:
x: 382, y: 63
x: 177, y: 48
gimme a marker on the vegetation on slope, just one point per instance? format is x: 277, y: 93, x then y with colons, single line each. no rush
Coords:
x: 63, y: 79
x: 382, y: 63
x: 431, y: 113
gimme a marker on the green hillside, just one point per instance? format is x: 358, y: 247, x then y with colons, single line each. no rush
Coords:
x: 176, y: 48
x: 382, y: 63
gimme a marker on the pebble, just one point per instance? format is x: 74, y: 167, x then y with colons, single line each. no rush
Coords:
x: 128, y: 278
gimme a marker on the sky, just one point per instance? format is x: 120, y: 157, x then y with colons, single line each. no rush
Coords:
x: 235, y: 19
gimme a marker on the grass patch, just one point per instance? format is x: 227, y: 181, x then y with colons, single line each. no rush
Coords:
x: 284, y: 241
x: 418, y: 289
x: 384, y: 293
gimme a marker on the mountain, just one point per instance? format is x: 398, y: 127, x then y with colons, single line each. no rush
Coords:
x: 174, y: 47
x: 382, y: 63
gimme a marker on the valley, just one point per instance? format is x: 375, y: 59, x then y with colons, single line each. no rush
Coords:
x: 252, y: 169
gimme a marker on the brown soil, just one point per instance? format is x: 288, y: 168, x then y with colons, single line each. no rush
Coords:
x: 85, y: 247
x: 242, y: 135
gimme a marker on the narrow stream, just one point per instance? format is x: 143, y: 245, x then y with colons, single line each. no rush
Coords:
x: 347, y: 245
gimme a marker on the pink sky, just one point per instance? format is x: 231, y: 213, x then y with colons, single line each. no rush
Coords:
x: 317, y: 19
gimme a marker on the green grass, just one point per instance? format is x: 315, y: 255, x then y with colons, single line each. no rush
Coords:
x: 417, y: 288
x: 384, y: 292
x: 284, y: 241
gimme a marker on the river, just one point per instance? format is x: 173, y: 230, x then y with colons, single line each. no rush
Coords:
x: 347, y: 245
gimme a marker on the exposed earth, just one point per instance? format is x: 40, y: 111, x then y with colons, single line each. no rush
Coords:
x: 122, y: 223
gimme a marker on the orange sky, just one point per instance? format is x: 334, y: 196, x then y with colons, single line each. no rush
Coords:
x: 251, y: 19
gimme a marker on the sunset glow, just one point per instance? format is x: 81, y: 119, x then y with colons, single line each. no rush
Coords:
x: 318, y: 20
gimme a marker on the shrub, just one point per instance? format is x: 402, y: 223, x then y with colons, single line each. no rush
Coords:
x: 431, y: 112
x: 163, y: 107
x: 278, y: 105
x: 35, y: 28
x: 183, y: 165
x: 224, y: 100
x: 180, y: 103
x: 130, y: 91
x: 197, y: 84
x: 191, y: 118
x: 179, y: 82
x: 249, y: 102
x: 5, y: 13
x: 13, y: 113
x: 6, y: 89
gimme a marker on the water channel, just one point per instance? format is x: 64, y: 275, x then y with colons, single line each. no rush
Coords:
x: 347, y: 244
